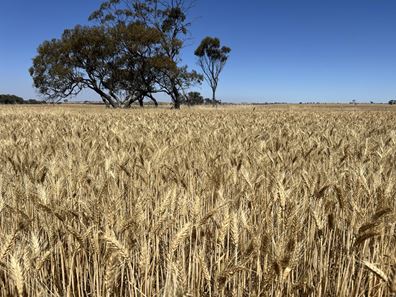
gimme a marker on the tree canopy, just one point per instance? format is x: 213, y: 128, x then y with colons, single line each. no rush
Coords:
x: 119, y: 63
x: 169, y: 18
x: 132, y: 53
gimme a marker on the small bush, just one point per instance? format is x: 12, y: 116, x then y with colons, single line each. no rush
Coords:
x: 194, y: 98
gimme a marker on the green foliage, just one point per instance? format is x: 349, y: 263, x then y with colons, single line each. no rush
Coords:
x: 211, y: 48
x: 119, y: 63
x: 169, y: 18
x: 34, y: 101
x: 209, y: 101
x: 12, y: 99
x: 132, y: 54
x: 194, y: 98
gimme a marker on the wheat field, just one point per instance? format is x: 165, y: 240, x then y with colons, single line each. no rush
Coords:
x: 277, y: 201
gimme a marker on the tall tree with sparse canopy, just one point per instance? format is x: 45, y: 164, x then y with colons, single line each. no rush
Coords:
x: 212, y: 58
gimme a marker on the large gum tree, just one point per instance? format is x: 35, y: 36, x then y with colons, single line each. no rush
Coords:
x: 169, y: 19
x: 120, y: 63
x: 132, y: 52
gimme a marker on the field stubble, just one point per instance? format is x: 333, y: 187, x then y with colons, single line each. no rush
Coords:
x: 225, y: 202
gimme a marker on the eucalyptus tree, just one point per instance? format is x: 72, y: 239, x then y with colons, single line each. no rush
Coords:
x: 169, y: 18
x: 119, y: 63
x: 212, y: 57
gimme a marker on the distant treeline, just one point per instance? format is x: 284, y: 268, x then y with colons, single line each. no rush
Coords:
x: 12, y: 99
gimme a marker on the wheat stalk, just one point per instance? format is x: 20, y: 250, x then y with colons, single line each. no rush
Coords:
x: 17, y: 273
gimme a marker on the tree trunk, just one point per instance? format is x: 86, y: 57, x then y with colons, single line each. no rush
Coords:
x: 176, y: 104
x: 214, y: 102
x: 129, y: 103
x: 108, y: 103
x: 153, y: 99
x: 106, y: 98
x: 176, y: 98
x: 141, y: 102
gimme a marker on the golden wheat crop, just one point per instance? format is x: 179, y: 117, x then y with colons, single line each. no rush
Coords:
x: 197, y: 202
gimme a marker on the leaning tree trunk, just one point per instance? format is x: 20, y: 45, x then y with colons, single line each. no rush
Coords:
x: 108, y: 103
x: 106, y: 98
x: 153, y: 99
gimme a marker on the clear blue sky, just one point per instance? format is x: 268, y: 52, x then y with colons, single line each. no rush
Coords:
x: 283, y: 50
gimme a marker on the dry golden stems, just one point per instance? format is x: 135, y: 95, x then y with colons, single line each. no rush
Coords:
x: 390, y: 281
x: 202, y: 202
